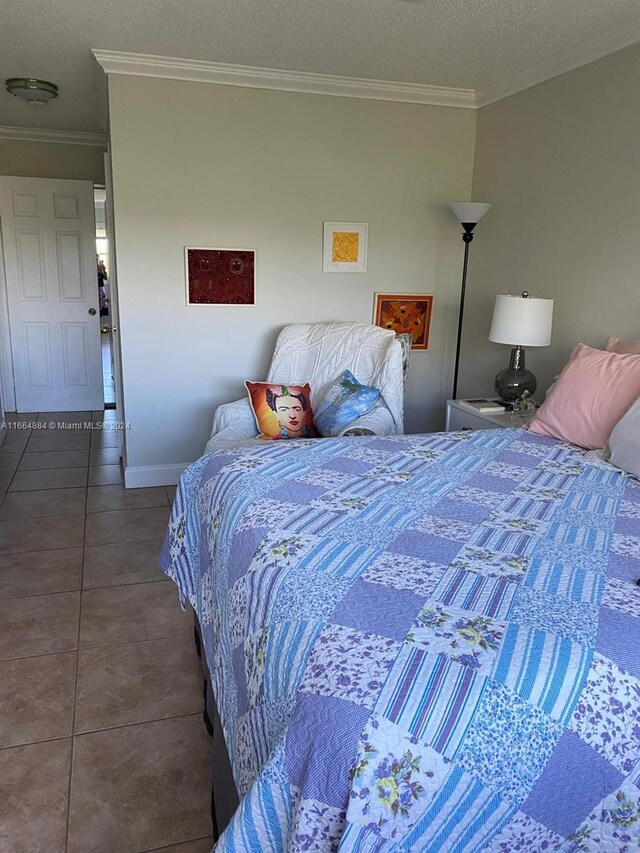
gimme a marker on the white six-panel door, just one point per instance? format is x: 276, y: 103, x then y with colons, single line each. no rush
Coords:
x: 48, y: 236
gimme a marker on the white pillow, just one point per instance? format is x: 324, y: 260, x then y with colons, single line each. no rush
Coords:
x: 624, y: 442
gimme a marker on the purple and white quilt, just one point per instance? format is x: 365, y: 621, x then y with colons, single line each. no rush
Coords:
x: 419, y: 643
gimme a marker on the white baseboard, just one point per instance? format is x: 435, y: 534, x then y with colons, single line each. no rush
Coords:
x: 142, y: 476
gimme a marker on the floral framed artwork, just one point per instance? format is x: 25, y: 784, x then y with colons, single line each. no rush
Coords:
x: 345, y: 247
x: 220, y: 276
x: 405, y: 312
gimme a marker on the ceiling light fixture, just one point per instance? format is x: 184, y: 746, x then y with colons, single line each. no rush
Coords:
x: 37, y: 93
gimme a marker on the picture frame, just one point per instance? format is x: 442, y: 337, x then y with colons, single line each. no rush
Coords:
x: 344, y: 246
x: 220, y: 276
x: 405, y: 312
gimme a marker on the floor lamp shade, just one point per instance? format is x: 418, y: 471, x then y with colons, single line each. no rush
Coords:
x: 519, y: 321
x: 469, y: 212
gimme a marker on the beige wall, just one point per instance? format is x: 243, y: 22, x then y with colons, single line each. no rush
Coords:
x: 560, y: 164
x: 223, y: 166
x: 51, y: 160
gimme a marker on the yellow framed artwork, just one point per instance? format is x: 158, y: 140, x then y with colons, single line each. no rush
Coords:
x: 345, y: 247
x: 405, y: 312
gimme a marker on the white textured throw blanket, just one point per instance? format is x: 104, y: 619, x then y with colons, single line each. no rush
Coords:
x: 318, y: 353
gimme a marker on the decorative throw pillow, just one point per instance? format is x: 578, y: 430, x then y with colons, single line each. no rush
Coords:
x: 614, y: 344
x: 345, y: 400
x: 622, y: 345
x: 593, y: 392
x: 624, y: 443
x: 282, y: 411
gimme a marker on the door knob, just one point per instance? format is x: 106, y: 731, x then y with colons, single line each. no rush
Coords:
x: 92, y: 311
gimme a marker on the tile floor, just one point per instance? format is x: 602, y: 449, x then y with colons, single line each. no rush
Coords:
x: 102, y: 744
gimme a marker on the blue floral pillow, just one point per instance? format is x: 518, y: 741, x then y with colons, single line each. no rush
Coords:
x: 345, y: 401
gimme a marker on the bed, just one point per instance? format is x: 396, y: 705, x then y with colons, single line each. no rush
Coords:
x: 419, y: 643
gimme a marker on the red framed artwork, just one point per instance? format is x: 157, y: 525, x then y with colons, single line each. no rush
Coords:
x: 220, y: 276
x: 405, y: 312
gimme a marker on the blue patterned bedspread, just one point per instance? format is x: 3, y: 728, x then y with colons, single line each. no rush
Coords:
x: 419, y: 643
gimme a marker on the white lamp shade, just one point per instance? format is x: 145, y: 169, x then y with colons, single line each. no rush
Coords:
x: 469, y: 211
x: 523, y: 321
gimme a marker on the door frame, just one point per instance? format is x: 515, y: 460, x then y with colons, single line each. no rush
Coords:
x: 114, y: 307
x: 7, y: 382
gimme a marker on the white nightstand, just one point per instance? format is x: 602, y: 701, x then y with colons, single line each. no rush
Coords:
x: 460, y: 416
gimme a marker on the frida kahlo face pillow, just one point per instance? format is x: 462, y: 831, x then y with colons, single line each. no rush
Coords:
x: 282, y: 411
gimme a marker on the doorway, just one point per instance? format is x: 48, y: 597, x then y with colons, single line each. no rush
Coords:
x: 51, y: 350
x: 104, y: 298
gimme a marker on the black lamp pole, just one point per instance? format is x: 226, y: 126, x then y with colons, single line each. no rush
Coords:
x: 467, y: 237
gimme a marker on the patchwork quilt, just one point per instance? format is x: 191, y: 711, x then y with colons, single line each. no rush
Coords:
x: 419, y: 643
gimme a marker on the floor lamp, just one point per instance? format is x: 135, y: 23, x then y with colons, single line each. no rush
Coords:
x: 468, y: 214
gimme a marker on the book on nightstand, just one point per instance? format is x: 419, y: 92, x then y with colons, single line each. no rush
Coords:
x: 484, y: 405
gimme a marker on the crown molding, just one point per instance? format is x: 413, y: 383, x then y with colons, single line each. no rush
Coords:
x: 588, y: 51
x: 33, y: 134
x: 197, y: 71
x: 248, y: 76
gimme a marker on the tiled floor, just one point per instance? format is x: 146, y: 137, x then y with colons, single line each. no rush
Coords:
x: 102, y: 744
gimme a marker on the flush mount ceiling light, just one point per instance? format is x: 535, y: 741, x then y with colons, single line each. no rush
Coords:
x: 37, y: 93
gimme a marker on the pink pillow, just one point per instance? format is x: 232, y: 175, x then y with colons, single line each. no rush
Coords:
x: 615, y: 344
x: 593, y: 392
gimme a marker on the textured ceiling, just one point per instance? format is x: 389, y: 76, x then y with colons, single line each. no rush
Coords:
x: 440, y: 42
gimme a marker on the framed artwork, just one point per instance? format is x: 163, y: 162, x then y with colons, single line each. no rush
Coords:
x: 405, y: 312
x: 345, y: 247
x: 220, y: 276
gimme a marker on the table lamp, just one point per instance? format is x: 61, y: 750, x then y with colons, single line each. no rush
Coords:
x: 519, y: 321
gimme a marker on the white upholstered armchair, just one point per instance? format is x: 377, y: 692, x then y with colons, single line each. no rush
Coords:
x: 319, y: 353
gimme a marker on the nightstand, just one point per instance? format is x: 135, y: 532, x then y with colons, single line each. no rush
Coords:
x: 460, y: 416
